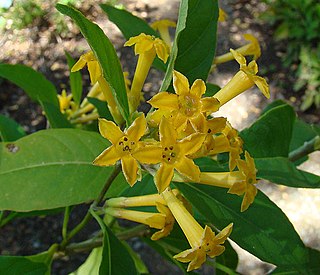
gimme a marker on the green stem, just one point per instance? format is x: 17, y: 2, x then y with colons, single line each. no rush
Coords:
x: 65, y: 222
x: 88, y: 216
x: 221, y: 267
x: 304, y: 150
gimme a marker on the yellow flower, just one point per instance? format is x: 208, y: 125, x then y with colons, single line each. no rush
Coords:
x: 168, y: 224
x: 123, y: 146
x: 222, y: 15
x: 203, y: 241
x: 162, y: 26
x: 145, y: 200
x: 64, y: 101
x: 247, y: 185
x: 253, y: 48
x: 230, y: 142
x: 95, y: 72
x: 90, y: 60
x: 172, y: 155
x: 243, y: 80
x: 154, y: 220
x: 147, y: 47
x: 186, y: 105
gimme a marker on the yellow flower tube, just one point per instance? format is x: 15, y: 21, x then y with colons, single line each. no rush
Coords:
x: 252, y: 48
x: 162, y: 26
x: 203, y: 241
x: 146, y: 200
x: 242, y: 81
x: 147, y: 47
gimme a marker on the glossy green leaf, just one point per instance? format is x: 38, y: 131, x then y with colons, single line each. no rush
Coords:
x: 271, y: 134
x: 102, y: 108
x: 91, y: 265
x: 281, y: 171
x: 140, y: 266
x: 50, y: 169
x: 105, y: 54
x: 271, y: 239
x: 115, y: 257
x: 10, y: 130
x: 195, y: 41
x: 32, y: 82
x: 130, y: 26
x: 229, y: 259
x: 211, y: 90
x: 75, y: 80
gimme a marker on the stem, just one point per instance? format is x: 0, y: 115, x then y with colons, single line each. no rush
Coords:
x: 65, y: 222
x: 304, y: 150
x: 88, y: 216
x: 221, y: 267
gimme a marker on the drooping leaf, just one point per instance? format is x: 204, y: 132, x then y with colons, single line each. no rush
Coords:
x: 281, y: 171
x: 50, y: 169
x: 10, y: 130
x: 195, y: 41
x: 32, y: 82
x: 75, y: 80
x: 271, y: 134
x: 105, y: 54
x: 130, y: 26
x: 271, y: 239
x: 115, y: 257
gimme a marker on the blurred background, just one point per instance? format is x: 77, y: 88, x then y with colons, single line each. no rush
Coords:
x: 35, y: 34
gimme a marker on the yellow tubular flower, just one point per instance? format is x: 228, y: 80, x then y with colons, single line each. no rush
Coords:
x: 146, y: 200
x: 147, y: 47
x: 154, y: 220
x: 171, y: 155
x: 168, y: 225
x: 253, y: 48
x: 93, y: 66
x: 242, y: 81
x: 222, y: 15
x: 247, y: 185
x: 186, y: 105
x: 64, y: 101
x: 123, y: 146
x: 203, y: 241
x: 162, y: 26
x: 230, y: 142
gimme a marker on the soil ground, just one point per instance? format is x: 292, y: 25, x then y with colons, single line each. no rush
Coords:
x: 42, y: 47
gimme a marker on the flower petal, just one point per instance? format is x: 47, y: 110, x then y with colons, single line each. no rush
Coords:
x: 168, y: 134
x: 180, y: 83
x: 210, y: 104
x: 130, y: 169
x: 192, y: 143
x: 110, y: 130
x: 94, y: 71
x: 108, y: 157
x: 198, y: 88
x: 186, y: 167
x: 148, y: 154
x: 262, y: 85
x: 248, y: 197
x: 163, y: 176
x: 165, y: 101
x: 138, y: 128
x: 238, y: 188
x: 239, y: 57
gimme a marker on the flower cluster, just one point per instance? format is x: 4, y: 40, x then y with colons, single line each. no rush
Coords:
x: 180, y: 128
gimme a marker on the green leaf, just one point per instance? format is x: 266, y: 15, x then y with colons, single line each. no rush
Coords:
x: 140, y: 266
x: 195, y: 41
x: 32, y: 82
x: 229, y: 258
x: 115, y: 257
x: 28, y: 265
x: 51, y: 169
x: 91, y: 265
x: 55, y: 117
x: 211, y: 90
x: 281, y: 171
x: 271, y: 239
x: 10, y: 130
x: 270, y: 135
x: 102, y: 108
x: 75, y: 80
x: 102, y: 48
